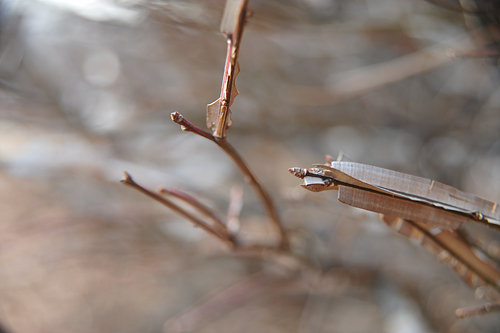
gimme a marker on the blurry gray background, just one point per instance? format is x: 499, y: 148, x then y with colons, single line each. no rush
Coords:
x: 86, y: 92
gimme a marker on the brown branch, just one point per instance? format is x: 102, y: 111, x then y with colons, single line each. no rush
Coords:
x: 477, y: 243
x: 196, y: 221
x: 463, y: 313
x: 245, y: 170
x: 186, y: 126
x: 221, y: 301
x: 232, y: 26
x: 219, y: 225
x: 448, y: 246
x: 479, y: 53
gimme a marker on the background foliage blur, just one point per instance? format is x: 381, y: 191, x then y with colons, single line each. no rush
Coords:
x: 87, y: 88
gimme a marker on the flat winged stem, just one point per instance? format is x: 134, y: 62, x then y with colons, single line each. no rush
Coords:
x: 398, y: 194
x: 426, y: 212
x: 218, y: 112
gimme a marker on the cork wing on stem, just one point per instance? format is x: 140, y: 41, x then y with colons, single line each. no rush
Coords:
x: 425, y: 211
x: 218, y: 112
x: 397, y: 194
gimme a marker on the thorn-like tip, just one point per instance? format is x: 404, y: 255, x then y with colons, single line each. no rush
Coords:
x: 126, y: 178
x: 176, y: 117
x: 298, y: 172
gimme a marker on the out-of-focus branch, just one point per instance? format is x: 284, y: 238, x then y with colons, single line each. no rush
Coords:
x: 234, y: 209
x: 221, y: 301
x: 463, y: 313
x: 355, y: 83
x: 218, y: 224
x: 245, y: 170
x: 196, y: 221
x: 480, y: 53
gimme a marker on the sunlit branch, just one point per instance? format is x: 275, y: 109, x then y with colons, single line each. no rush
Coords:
x: 245, y: 170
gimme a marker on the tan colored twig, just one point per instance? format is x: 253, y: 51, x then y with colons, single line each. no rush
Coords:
x: 245, y: 170
x: 234, y: 209
x: 233, y: 22
x: 196, y: 221
x: 218, y: 223
x: 355, y: 83
x: 222, y: 300
x: 479, y: 53
x: 463, y: 313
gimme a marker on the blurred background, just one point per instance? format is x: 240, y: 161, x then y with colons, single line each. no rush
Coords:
x: 86, y: 92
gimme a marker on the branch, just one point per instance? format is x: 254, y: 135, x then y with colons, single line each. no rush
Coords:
x: 479, y: 53
x: 234, y: 209
x: 245, y: 170
x: 196, y: 221
x: 233, y: 22
x: 219, y: 225
x: 463, y: 313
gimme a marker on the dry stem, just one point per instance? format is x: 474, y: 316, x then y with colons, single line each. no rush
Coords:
x: 221, y: 227
x: 241, y: 164
x: 233, y: 20
x: 196, y: 221
x: 463, y: 313
x: 479, y: 53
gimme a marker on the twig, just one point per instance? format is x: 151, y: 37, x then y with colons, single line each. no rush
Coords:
x: 199, y: 206
x: 355, y: 83
x: 241, y: 164
x: 480, y: 53
x: 234, y: 209
x: 477, y: 243
x: 233, y: 22
x: 196, y: 221
x: 456, y: 7
x: 223, y: 300
x: 463, y: 313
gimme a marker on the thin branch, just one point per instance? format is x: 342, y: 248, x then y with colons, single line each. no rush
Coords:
x: 234, y: 209
x: 479, y: 53
x: 221, y: 227
x: 248, y: 174
x: 357, y: 82
x: 196, y: 221
x: 455, y: 7
x: 233, y: 22
x: 463, y: 313
x: 222, y: 300
x: 186, y: 126
x: 477, y: 243
x: 449, y: 247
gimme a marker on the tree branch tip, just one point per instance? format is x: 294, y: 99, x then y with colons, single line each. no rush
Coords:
x: 298, y: 172
x: 127, y: 178
x: 176, y: 117
x: 163, y: 190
